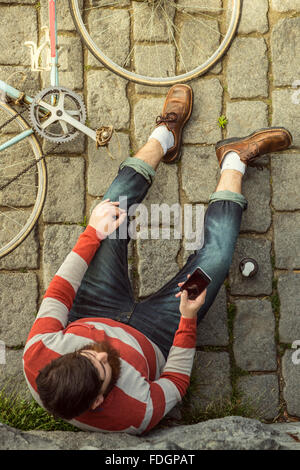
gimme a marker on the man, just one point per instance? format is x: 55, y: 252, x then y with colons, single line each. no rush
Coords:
x: 95, y: 356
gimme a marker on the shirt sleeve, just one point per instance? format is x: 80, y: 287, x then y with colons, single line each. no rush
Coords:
x: 59, y: 297
x: 172, y: 385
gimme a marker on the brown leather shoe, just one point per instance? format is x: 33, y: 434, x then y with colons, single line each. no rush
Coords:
x: 256, y: 144
x: 176, y: 112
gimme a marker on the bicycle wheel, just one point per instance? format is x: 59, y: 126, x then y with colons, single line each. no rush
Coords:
x: 157, y: 42
x: 21, y: 201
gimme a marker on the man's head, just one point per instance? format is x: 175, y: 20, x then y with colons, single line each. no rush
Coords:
x: 79, y: 381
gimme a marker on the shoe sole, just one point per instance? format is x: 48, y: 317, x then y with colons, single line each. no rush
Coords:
x: 176, y: 159
x: 224, y: 142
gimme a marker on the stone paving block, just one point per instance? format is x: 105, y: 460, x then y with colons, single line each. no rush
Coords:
x: 285, y: 50
x: 261, y: 283
x: 257, y: 191
x: 287, y: 240
x: 261, y: 392
x: 107, y: 103
x: 285, y: 180
x: 254, y: 17
x: 149, y: 24
x: 21, y: 78
x: 145, y: 112
x: 247, y: 68
x: 75, y: 146
x: 24, y: 19
x: 116, y: 48
x: 63, y: 15
x: 157, y: 261
x: 203, y: 126
x: 289, y: 295
x: 25, y: 256
x: 212, y: 379
x: 70, y: 64
x: 12, y: 380
x: 254, y: 335
x: 59, y: 240
x: 18, y: 307
x: 291, y: 376
x: 164, y: 190
x: 65, y: 196
x: 286, y: 112
x: 213, y: 329
x: 200, y: 172
x: 287, y: 5
x: 102, y: 169
x: 245, y: 117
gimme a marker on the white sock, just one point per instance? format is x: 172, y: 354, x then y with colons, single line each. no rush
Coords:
x: 164, y: 137
x: 232, y: 161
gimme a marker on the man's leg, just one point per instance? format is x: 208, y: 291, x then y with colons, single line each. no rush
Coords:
x: 105, y: 290
x: 158, y: 316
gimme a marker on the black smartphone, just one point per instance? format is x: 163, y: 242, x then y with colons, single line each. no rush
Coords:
x: 197, y: 282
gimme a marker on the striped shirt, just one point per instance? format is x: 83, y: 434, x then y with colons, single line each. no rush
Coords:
x: 148, y: 386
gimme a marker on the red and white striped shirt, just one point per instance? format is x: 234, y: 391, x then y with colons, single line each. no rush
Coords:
x: 148, y: 386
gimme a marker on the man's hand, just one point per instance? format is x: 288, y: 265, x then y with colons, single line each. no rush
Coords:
x: 106, y: 217
x: 189, y: 308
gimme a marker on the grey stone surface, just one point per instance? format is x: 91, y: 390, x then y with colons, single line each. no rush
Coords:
x: 164, y: 190
x: 18, y: 306
x: 212, y: 384
x: 144, y: 114
x: 284, y: 42
x: 247, y: 68
x: 157, y: 261
x: 213, y: 329
x: 230, y: 433
x: 261, y: 393
x: 257, y: 191
x: 65, y: 197
x: 70, y: 64
x: 59, y: 240
x: 25, y: 256
x: 203, y: 126
x: 291, y: 375
x: 286, y: 112
x: 261, y: 283
x: 285, y: 179
x: 107, y: 103
x: 21, y: 77
x: 15, y: 52
x: 12, y: 380
x: 287, y: 240
x: 102, y: 169
x: 254, y: 336
x: 200, y: 172
x: 287, y: 5
x: 245, y: 117
x: 289, y: 295
x: 254, y: 17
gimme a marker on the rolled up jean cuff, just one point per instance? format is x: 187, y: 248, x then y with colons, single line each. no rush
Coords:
x: 229, y: 196
x: 140, y: 167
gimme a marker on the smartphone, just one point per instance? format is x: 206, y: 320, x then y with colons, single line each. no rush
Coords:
x: 197, y: 282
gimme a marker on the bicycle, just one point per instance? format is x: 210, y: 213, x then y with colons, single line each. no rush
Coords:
x: 58, y: 114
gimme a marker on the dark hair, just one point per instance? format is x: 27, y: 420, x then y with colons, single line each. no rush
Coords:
x: 69, y: 385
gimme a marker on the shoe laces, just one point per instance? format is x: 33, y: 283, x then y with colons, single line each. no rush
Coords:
x: 169, y: 117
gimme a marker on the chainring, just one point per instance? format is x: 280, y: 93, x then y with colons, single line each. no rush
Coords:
x: 50, y: 123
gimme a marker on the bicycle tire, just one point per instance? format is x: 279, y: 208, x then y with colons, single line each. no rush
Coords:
x: 42, y: 185
x: 156, y: 81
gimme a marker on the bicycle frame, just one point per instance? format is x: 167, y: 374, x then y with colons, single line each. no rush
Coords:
x: 17, y: 95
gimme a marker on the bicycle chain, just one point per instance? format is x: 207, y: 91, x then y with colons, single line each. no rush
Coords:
x: 42, y: 157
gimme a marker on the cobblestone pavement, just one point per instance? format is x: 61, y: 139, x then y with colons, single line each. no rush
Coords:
x: 245, y: 342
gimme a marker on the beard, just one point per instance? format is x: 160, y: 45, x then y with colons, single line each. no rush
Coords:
x: 113, y: 358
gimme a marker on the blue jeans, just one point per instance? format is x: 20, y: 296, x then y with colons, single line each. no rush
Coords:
x: 106, y: 290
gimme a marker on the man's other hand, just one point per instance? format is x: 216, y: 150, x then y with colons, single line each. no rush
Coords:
x: 189, y: 308
x: 106, y: 217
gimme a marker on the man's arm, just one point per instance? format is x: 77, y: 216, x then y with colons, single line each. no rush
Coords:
x: 172, y: 385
